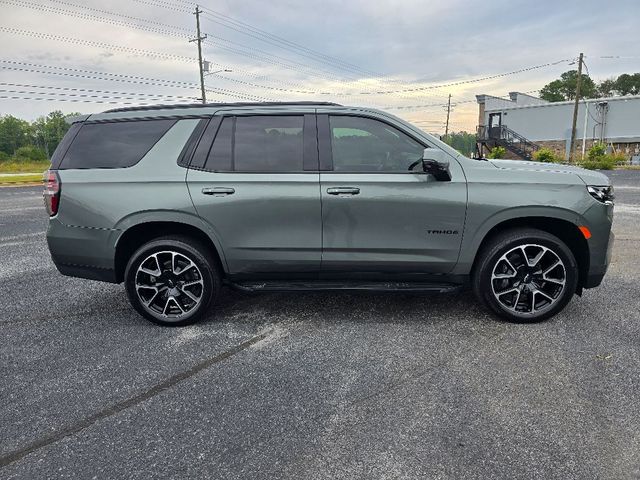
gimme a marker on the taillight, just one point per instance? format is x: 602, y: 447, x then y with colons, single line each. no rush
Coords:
x: 51, y: 192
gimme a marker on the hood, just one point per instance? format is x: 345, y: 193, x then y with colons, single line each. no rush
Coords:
x: 589, y: 177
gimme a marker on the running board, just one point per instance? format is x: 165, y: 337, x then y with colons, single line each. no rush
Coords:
x: 279, y: 286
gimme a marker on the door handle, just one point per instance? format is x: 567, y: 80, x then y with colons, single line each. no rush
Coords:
x: 343, y: 191
x: 218, y: 191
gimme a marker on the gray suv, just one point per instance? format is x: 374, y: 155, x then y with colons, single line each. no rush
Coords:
x: 177, y: 201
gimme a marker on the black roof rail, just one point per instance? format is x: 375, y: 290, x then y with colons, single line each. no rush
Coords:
x: 205, y: 105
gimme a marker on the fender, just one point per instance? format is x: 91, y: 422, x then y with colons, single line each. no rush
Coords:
x: 167, y: 216
x: 474, y: 235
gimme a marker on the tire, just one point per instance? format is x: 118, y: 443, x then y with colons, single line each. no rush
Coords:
x: 525, y: 275
x: 172, y: 280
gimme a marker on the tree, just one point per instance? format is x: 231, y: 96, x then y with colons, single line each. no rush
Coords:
x: 464, y: 142
x: 607, y: 88
x: 628, y: 84
x: 565, y: 87
x: 48, y: 131
x: 14, y: 133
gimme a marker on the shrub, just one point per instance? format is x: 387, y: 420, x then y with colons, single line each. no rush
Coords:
x: 620, y: 158
x: 546, y: 155
x: 30, y: 153
x: 606, y: 162
x: 497, y: 152
x: 597, y: 158
x: 597, y: 151
x: 4, y: 157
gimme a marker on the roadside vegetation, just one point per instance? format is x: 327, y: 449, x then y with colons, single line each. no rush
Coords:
x: 564, y: 88
x: 497, y: 153
x: 464, y: 142
x: 26, y: 147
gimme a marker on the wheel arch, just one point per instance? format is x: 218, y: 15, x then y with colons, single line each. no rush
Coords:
x: 565, y: 230
x: 140, y: 233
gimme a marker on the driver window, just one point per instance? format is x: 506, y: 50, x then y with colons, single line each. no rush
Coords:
x: 362, y: 144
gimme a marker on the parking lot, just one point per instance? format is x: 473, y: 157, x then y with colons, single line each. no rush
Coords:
x: 334, y: 385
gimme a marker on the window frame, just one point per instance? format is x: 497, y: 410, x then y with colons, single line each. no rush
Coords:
x: 326, y: 150
x: 309, y: 143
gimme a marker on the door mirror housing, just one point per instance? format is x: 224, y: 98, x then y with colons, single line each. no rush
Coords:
x: 436, y: 162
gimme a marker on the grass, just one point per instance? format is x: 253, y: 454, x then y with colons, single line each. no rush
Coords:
x: 17, y: 180
x: 27, y: 166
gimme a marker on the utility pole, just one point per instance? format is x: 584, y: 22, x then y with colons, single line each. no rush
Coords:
x: 575, y: 109
x: 446, y: 128
x: 199, y: 39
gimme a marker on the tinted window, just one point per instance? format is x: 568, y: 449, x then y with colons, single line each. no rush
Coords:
x: 366, y: 145
x: 268, y: 143
x: 220, y: 153
x: 190, y: 146
x: 62, y: 147
x: 114, y: 145
x: 202, y: 151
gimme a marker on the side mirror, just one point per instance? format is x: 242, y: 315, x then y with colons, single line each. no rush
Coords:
x: 436, y: 163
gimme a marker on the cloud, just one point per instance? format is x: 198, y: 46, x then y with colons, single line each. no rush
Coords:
x: 362, y: 46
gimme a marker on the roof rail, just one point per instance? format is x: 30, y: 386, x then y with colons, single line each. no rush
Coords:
x: 205, y: 105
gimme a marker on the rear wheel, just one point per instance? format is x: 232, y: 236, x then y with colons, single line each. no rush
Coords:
x: 172, y: 281
x: 525, y: 275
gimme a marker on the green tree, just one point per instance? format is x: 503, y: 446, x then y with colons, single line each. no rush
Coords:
x: 14, y: 133
x: 48, y: 131
x: 607, y: 88
x: 464, y: 142
x: 627, y: 84
x: 565, y: 87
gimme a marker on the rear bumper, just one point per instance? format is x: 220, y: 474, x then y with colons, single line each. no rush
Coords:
x: 82, y: 252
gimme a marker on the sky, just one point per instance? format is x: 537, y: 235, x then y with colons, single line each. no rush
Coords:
x: 405, y: 57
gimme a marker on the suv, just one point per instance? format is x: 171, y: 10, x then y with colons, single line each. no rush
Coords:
x: 176, y: 201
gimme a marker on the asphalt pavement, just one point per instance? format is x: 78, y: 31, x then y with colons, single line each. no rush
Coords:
x: 313, y: 386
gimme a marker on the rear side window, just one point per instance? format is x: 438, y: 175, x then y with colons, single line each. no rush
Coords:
x: 261, y: 143
x: 114, y: 145
x: 220, y: 155
x: 62, y: 147
x: 272, y: 144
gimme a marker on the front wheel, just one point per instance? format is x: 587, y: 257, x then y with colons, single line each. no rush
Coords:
x: 525, y: 275
x: 172, y: 280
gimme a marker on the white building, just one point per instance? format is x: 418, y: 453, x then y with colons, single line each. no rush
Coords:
x: 524, y: 123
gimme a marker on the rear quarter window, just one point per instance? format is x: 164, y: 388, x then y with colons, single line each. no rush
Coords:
x: 114, y: 145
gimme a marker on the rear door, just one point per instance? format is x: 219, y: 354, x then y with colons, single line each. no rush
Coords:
x: 380, y: 219
x: 254, y: 180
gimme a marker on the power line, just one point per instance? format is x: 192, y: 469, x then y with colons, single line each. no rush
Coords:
x: 254, y: 32
x: 233, y: 50
x: 271, y: 39
x: 70, y: 100
x: 116, y: 78
x: 73, y: 89
x: 91, y: 43
x: 76, y: 95
x: 86, y: 16
x: 264, y: 57
x: 250, y: 54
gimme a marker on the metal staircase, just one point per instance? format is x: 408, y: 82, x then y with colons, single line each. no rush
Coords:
x: 487, y: 138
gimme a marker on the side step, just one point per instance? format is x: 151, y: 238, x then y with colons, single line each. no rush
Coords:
x: 280, y: 286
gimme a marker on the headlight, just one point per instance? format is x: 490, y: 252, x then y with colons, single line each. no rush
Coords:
x: 602, y: 194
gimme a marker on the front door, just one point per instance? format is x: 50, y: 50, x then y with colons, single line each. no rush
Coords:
x: 495, y: 122
x: 257, y: 188
x: 381, y: 220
